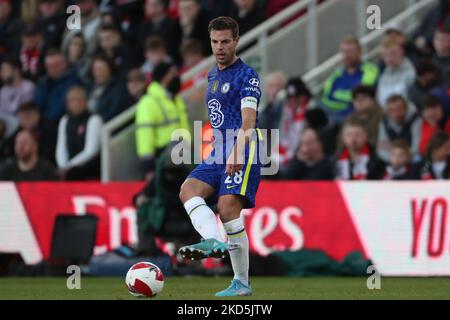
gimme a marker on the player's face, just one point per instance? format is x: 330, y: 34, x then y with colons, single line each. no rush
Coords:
x: 223, y: 46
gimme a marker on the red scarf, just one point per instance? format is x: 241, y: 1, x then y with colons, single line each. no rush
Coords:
x: 356, y: 170
x: 30, y: 60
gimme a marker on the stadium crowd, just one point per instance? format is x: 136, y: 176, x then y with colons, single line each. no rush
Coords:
x: 388, y: 119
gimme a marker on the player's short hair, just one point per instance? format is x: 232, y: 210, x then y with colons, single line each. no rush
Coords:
x: 224, y: 23
x: 400, y: 144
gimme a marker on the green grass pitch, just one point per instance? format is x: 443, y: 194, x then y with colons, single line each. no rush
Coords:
x: 193, y: 288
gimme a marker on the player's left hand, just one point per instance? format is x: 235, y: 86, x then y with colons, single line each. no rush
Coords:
x: 233, y: 165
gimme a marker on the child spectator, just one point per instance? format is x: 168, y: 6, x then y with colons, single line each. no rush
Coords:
x: 399, y: 167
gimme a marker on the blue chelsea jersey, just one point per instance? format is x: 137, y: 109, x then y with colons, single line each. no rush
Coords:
x: 226, y: 89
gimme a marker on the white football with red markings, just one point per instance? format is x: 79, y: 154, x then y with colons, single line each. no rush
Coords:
x: 144, y: 279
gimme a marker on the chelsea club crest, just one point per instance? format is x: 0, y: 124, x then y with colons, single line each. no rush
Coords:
x: 225, y: 87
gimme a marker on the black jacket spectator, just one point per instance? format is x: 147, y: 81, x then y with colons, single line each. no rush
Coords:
x: 427, y: 78
x: 43, y: 130
x: 51, y: 90
x: 300, y: 170
x: 309, y: 163
x: 78, y: 143
x: 439, y: 15
x: 157, y: 23
x: 107, y: 94
x: 193, y: 24
x: 27, y: 166
x: 52, y: 20
x: 248, y: 16
x: 42, y: 171
x: 10, y: 30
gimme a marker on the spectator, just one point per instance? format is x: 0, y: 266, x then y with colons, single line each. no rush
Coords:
x: 436, y: 165
x: 396, y: 33
x: 269, y: 117
x: 427, y: 78
x: 357, y: 160
x: 318, y: 120
x: 192, y: 54
x: 43, y: 130
x: 292, y: 120
x: 107, y: 94
x: 156, y: 22
x: 135, y: 86
x: 8, y: 129
x: 442, y: 93
x: 10, y: 30
x: 78, y: 142
x: 438, y: 16
x: 32, y: 52
x: 216, y: 8
x: 433, y: 121
x: 401, y: 121
x: 441, y: 56
x: 15, y: 90
x: 337, y: 93
x: 310, y: 162
x: 109, y: 17
x: 51, y: 90
x: 111, y: 45
x: 74, y: 48
x: 193, y: 24
x: 155, y: 53
x: 91, y: 22
x: 27, y: 166
x: 52, y: 20
x: 367, y: 111
x: 398, y: 75
x: 154, y: 127
x: 248, y: 14
x: 399, y: 167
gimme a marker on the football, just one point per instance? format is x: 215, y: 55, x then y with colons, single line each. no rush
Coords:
x: 144, y: 279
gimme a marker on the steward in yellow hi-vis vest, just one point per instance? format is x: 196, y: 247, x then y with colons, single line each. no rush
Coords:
x: 158, y: 114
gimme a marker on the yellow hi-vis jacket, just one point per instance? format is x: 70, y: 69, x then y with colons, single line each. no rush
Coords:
x: 157, y: 116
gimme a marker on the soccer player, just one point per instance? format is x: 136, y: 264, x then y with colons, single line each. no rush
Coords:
x: 232, y: 98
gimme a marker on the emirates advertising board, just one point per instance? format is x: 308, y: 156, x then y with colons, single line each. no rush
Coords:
x: 403, y: 227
